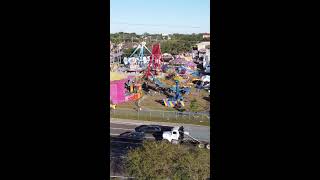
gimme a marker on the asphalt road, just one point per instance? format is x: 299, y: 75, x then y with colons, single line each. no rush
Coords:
x: 120, y: 126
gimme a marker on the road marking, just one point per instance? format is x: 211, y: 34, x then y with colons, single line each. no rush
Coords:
x: 114, y: 134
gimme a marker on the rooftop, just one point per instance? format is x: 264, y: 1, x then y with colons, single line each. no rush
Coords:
x: 204, y: 43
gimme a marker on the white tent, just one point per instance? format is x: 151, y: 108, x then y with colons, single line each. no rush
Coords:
x: 205, y: 78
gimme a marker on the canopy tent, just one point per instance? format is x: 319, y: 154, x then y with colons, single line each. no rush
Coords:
x: 188, y: 58
x: 114, y: 76
x: 117, y: 88
x: 178, y: 61
x: 205, y: 78
x: 167, y: 57
x: 191, y: 64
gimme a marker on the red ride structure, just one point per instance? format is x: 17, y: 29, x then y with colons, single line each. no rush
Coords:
x: 155, y: 61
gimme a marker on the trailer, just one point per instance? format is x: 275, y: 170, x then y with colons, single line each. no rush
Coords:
x: 177, y: 135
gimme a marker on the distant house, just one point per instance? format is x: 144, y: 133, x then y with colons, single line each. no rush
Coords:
x: 203, y: 45
x: 206, y: 35
x: 120, y: 46
x: 111, y: 45
x: 146, y: 37
x: 166, y: 36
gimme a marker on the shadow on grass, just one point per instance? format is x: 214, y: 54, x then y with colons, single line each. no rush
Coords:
x: 160, y: 102
x: 207, y: 98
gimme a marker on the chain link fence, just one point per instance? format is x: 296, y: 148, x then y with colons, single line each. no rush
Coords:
x: 156, y: 115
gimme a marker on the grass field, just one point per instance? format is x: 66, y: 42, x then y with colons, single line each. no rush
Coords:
x: 162, y: 116
x: 154, y: 110
x: 155, y: 102
x: 184, y: 120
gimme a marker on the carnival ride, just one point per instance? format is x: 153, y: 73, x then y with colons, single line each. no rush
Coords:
x: 177, y: 99
x: 173, y: 79
x: 154, y: 65
x: 137, y: 62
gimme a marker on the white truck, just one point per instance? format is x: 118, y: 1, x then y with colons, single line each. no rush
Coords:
x: 177, y: 135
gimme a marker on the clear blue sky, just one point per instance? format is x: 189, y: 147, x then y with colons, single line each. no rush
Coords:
x: 187, y: 16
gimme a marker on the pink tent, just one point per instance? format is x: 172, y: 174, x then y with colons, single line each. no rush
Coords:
x: 117, y: 87
x: 117, y: 91
x: 191, y: 64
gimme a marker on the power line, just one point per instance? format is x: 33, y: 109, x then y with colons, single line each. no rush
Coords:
x: 169, y: 25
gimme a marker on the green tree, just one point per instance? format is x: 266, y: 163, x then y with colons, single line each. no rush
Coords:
x: 128, y: 52
x: 116, y: 40
x: 176, y: 46
x: 162, y: 160
x: 145, y: 34
x: 179, y: 43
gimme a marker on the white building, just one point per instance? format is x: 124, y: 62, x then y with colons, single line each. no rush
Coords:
x: 203, y: 45
x: 166, y: 36
x: 206, y: 36
x: 111, y: 45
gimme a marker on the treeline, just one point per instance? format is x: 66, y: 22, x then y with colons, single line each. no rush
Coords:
x: 176, y: 47
x: 178, y: 43
x: 122, y: 37
x: 173, y: 47
x: 187, y: 37
x: 129, y: 37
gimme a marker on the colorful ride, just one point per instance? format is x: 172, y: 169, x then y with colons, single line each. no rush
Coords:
x: 124, y: 88
x: 137, y: 62
x: 172, y: 104
x: 176, y: 100
x: 159, y: 83
x: 135, y: 91
x: 155, y: 62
